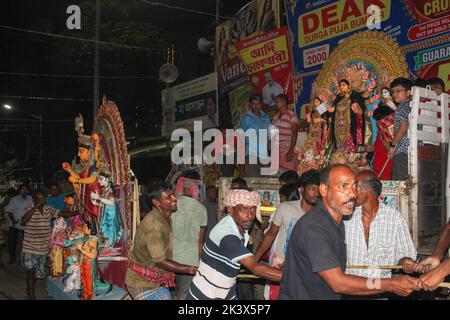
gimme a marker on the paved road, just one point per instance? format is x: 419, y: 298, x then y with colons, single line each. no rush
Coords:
x: 13, y: 283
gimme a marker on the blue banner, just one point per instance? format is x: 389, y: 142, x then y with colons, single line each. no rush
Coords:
x: 317, y: 27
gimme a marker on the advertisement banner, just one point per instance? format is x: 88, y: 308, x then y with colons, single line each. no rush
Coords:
x: 336, y: 20
x: 230, y: 68
x: 421, y: 28
x: 256, y: 17
x: 268, y: 15
x: 190, y: 101
x: 267, y: 60
x: 428, y: 56
x: 438, y: 69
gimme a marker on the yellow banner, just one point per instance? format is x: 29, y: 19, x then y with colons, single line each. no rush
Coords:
x: 265, y: 55
x: 339, y: 18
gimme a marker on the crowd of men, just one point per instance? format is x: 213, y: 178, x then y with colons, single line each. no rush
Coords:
x: 26, y: 219
x: 329, y: 225
x: 329, y: 238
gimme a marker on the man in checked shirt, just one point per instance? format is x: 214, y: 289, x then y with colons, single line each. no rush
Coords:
x: 376, y: 235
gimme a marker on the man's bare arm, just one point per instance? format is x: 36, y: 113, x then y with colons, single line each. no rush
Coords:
x: 443, y: 242
x: 339, y: 282
x: 267, y: 241
x: 201, y: 240
x: 261, y: 270
x: 172, y: 266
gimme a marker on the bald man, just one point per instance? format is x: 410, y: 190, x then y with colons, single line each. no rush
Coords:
x: 317, y: 255
x: 376, y: 235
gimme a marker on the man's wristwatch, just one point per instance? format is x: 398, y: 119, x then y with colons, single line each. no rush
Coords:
x: 392, y: 145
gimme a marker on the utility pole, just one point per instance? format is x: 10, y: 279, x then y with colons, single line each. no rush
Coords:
x: 217, y: 23
x: 41, y: 151
x: 96, y: 59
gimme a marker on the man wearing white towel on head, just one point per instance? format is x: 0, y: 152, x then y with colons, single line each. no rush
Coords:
x: 225, y: 251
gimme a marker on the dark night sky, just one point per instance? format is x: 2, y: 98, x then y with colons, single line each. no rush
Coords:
x: 138, y: 99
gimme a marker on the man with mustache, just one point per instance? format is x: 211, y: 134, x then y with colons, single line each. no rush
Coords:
x: 316, y: 256
x: 283, y: 222
x: 376, y: 235
x: 225, y: 251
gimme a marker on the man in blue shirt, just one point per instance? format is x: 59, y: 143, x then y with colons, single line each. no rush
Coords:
x: 255, y: 119
x: 55, y: 200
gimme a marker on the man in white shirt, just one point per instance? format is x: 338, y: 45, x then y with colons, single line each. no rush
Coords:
x: 271, y: 90
x: 16, y: 209
x: 284, y: 220
x: 376, y: 234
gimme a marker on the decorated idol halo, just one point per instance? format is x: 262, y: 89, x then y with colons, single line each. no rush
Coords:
x: 369, y: 60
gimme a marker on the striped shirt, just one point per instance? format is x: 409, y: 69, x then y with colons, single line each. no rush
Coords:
x: 285, y: 124
x: 219, y: 264
x: 389, y: 241
x: 37, y: 230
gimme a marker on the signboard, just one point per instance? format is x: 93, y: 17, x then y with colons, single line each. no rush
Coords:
x: 258, y: 16
x: 267, y: 60
x: 190, y: 101
x: 431, y: 55
x: 421, y: 28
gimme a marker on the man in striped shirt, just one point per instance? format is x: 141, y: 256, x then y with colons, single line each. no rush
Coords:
x: 287, y: 123
x: 225, y: 250
x: 36, y: 239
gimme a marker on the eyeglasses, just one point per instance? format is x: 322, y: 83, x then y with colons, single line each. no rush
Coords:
x: 397, y: 91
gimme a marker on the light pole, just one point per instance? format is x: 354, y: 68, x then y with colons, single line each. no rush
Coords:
x: 39, y: 117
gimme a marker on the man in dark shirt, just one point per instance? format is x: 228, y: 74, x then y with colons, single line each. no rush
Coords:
x: 316, y: 255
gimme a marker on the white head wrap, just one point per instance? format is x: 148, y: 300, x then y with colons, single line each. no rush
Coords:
x: 244, y: 197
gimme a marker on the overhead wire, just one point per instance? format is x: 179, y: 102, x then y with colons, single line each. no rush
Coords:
x: 154, y: 50
x: 153, y: 3
x: 51, y: 75
x: 36, y: 120
x: 46, y: 98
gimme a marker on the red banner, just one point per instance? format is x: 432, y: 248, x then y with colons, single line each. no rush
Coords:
x: 268, y: 63
x: 429, y: 29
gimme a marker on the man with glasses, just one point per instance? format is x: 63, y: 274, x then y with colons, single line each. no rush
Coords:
x: 398, y: 148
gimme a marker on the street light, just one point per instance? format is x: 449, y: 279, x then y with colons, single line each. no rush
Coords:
x: 39, y: 117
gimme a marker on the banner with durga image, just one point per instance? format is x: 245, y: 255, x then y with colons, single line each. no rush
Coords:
x: 267, y: 60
